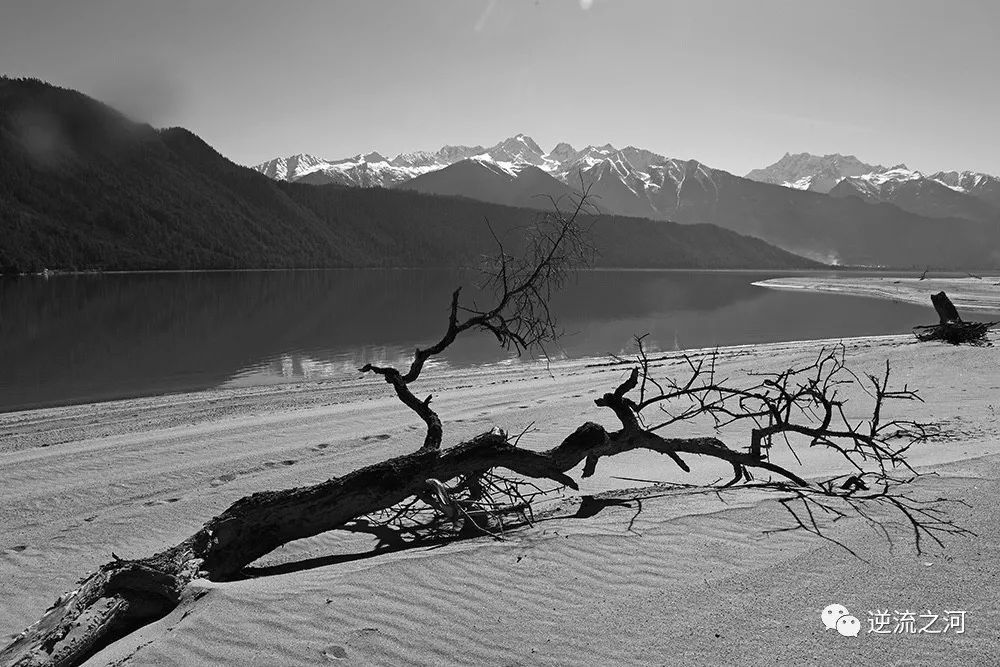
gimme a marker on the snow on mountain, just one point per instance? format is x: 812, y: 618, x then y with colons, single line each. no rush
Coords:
x: 945, y: 196
x: 635, y: 181
x: 288, y: 168
x: 517, y: 149
x: 818, y: 173
x: 941, y: 195
x: 368, y: 170
x: 879, y: 185
x: 638, y: 182
x: 365, y: 171
x: 486, y: 179
x: 628, y: 181
x: 981, y: 186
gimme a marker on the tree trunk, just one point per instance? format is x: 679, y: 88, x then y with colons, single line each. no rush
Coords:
x: 945, y: 308
x: 952, y: 329
x: 127, y: 594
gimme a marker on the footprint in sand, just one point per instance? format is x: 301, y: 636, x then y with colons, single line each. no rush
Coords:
x: 275, y: 464
x: 17, y: 549
x: 335, y: 652
x: 380, y: 436
x: 151, y: 503
x: 223, y: 479
x: 320, y: 447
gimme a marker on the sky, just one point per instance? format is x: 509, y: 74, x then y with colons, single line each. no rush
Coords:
x: 734, y: 84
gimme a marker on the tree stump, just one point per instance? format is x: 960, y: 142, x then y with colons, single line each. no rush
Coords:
x: 946, y: 310
x: 951, y: 328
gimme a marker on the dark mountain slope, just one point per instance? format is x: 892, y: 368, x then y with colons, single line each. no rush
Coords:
x: 923, y: 196
x: 81, y: 187
x: 842, y: 229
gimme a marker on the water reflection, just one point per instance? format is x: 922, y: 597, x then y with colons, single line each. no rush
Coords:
x: 74, y: 338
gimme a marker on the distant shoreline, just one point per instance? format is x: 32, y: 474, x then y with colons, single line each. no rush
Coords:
x: 826, y: 269
x: 966, y: 292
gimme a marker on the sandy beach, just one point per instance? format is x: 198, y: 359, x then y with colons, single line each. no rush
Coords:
x: 657, y: 576
x: 969, y: 293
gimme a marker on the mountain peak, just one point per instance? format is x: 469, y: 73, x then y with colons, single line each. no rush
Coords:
x: 562, y: 152
x: 450, y: 154
x: 519, y: 148
x: 524, y: 138
x: 806, y: 171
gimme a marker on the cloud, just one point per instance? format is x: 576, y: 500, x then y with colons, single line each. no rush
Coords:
x: 586, y: 4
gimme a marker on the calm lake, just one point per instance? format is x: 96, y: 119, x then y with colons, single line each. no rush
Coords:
x: 91, y: 337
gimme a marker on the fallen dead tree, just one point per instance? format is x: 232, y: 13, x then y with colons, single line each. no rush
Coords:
x: 799, y: 407
x: 951, y: 328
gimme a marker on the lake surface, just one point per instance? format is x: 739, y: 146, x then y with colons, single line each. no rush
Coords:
x: 92, y: 337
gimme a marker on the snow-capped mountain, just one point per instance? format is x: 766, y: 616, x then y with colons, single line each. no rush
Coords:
x: 519, y: 149
x: 980, y: 186
x: 627, y: 181
x: 288, y: 168
x: 818, y: 173
x: 931, y: 196
x: 942, y: 195
x: 364, y: 171
x: 637, y: 182
x: 483, y: 178
x: 878, y: 185
x: 367, y: 170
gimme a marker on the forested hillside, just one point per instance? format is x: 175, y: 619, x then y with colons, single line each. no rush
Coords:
x: 84, y: 188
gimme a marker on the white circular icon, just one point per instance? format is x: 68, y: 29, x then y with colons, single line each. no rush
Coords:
x: 849, y: 626
x: 832, y: 614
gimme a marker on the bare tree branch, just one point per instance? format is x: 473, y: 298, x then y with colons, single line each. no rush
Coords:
x: 556, y: 245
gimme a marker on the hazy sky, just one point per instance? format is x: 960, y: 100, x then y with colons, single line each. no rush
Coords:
x: 733, y: 84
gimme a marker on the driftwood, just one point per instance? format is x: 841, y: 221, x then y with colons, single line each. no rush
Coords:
x: 801, y: 403
x: 127, y: 594
x: 951, y: 328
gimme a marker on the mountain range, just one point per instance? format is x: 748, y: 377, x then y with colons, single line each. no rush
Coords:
x: 84, y: 188
x: 629, y: 181
x: 964, y: 194
x: 832, y: 208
